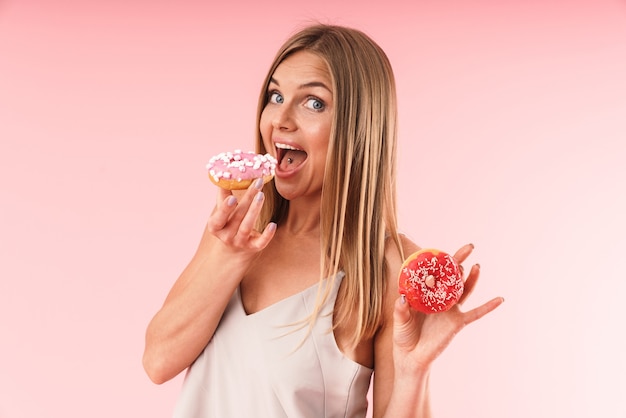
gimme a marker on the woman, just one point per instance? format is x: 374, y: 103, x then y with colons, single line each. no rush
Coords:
x: 290, y: 301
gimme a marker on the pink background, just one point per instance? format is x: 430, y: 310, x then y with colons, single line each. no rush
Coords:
x: 513, y: 132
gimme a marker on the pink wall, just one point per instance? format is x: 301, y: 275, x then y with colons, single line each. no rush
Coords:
x: 513, y: 125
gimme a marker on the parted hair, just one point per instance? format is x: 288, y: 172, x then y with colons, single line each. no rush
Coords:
x: 358, y: 207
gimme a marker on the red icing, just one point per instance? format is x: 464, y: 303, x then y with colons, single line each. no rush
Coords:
x: 447, y: 287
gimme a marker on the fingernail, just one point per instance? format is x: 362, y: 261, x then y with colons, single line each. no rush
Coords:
x: 259, y: 196
x: 477, y: 265
x: 231, y: 200
x: 471, y: 245
x: 403, y: 298
x: 258, y: 184
x: 271, y: 226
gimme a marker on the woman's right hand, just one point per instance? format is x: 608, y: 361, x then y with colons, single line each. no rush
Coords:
x: 233, y: 222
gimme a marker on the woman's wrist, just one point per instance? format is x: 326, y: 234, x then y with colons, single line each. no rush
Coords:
x: 410, y: 397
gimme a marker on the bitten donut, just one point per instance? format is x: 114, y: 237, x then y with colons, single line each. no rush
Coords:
x: 431, y: 281
x: 236, y: 170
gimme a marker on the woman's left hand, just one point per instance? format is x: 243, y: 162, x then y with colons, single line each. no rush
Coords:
x: 418, y: 339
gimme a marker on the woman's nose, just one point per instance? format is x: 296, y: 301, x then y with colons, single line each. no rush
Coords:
x: 283, y: 118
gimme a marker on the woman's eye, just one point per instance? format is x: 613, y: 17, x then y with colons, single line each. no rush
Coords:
x: 276, y: 98
x: 315, y: 104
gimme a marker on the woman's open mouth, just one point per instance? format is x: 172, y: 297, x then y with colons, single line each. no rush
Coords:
x: 289, y: 157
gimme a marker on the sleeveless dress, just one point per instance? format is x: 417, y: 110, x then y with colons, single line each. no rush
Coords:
x: 259, y: 365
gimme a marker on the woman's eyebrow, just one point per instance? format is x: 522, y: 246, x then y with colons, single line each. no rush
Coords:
x: 315, y: 84
x: 305, y: 85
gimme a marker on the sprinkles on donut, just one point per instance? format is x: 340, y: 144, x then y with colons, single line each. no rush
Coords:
x: 431, y: 281
x: 236, y: 170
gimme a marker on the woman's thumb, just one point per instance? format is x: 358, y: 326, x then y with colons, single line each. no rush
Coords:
x: 403, y: 324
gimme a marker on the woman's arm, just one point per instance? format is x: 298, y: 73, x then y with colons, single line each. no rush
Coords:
x: 183, y: 326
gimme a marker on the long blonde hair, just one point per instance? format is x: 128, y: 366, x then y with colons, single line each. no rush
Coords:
x: 358, y: 208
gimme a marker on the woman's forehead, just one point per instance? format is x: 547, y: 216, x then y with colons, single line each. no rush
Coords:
x: 304, y: 67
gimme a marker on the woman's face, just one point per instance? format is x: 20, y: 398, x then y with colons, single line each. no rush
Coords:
x: 296, y: 122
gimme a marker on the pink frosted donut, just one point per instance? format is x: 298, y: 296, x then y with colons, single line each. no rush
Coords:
x: 431, y: 281
x: 236, y: 170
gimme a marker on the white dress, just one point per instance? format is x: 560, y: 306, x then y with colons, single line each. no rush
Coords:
x: 258, y: 366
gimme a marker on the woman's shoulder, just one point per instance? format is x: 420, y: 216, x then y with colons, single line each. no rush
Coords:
x: 396, y: 252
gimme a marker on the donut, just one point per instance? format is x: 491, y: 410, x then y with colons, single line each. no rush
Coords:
x: 431, y: 281
x: 236, y: 170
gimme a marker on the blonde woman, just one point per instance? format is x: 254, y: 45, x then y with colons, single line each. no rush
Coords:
x: 290, y: 302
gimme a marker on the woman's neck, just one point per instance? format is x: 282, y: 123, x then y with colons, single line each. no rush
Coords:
x: 303, y: 217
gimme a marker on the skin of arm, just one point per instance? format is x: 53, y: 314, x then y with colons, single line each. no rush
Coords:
x: 184, y: 325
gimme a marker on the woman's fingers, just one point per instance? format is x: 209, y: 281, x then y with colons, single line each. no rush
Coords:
x: 405, y: 328
x: 247, y: 232
x: 463, y: 253
x: 244, y: 202
x: 470, y: 282
x: 268, y: 233
x: 224, y: 208
x: 247, y: 224
x: 233, y: 220
x: 482, y: 310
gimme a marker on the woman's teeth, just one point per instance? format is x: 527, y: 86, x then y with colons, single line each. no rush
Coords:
x: 286, y: 147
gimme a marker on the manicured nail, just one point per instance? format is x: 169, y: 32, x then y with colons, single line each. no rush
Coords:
x: 403, y: 298
x: 231, y: 201
x: 271, y: 226
x: 258, y: 183
x: 259, y: 196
